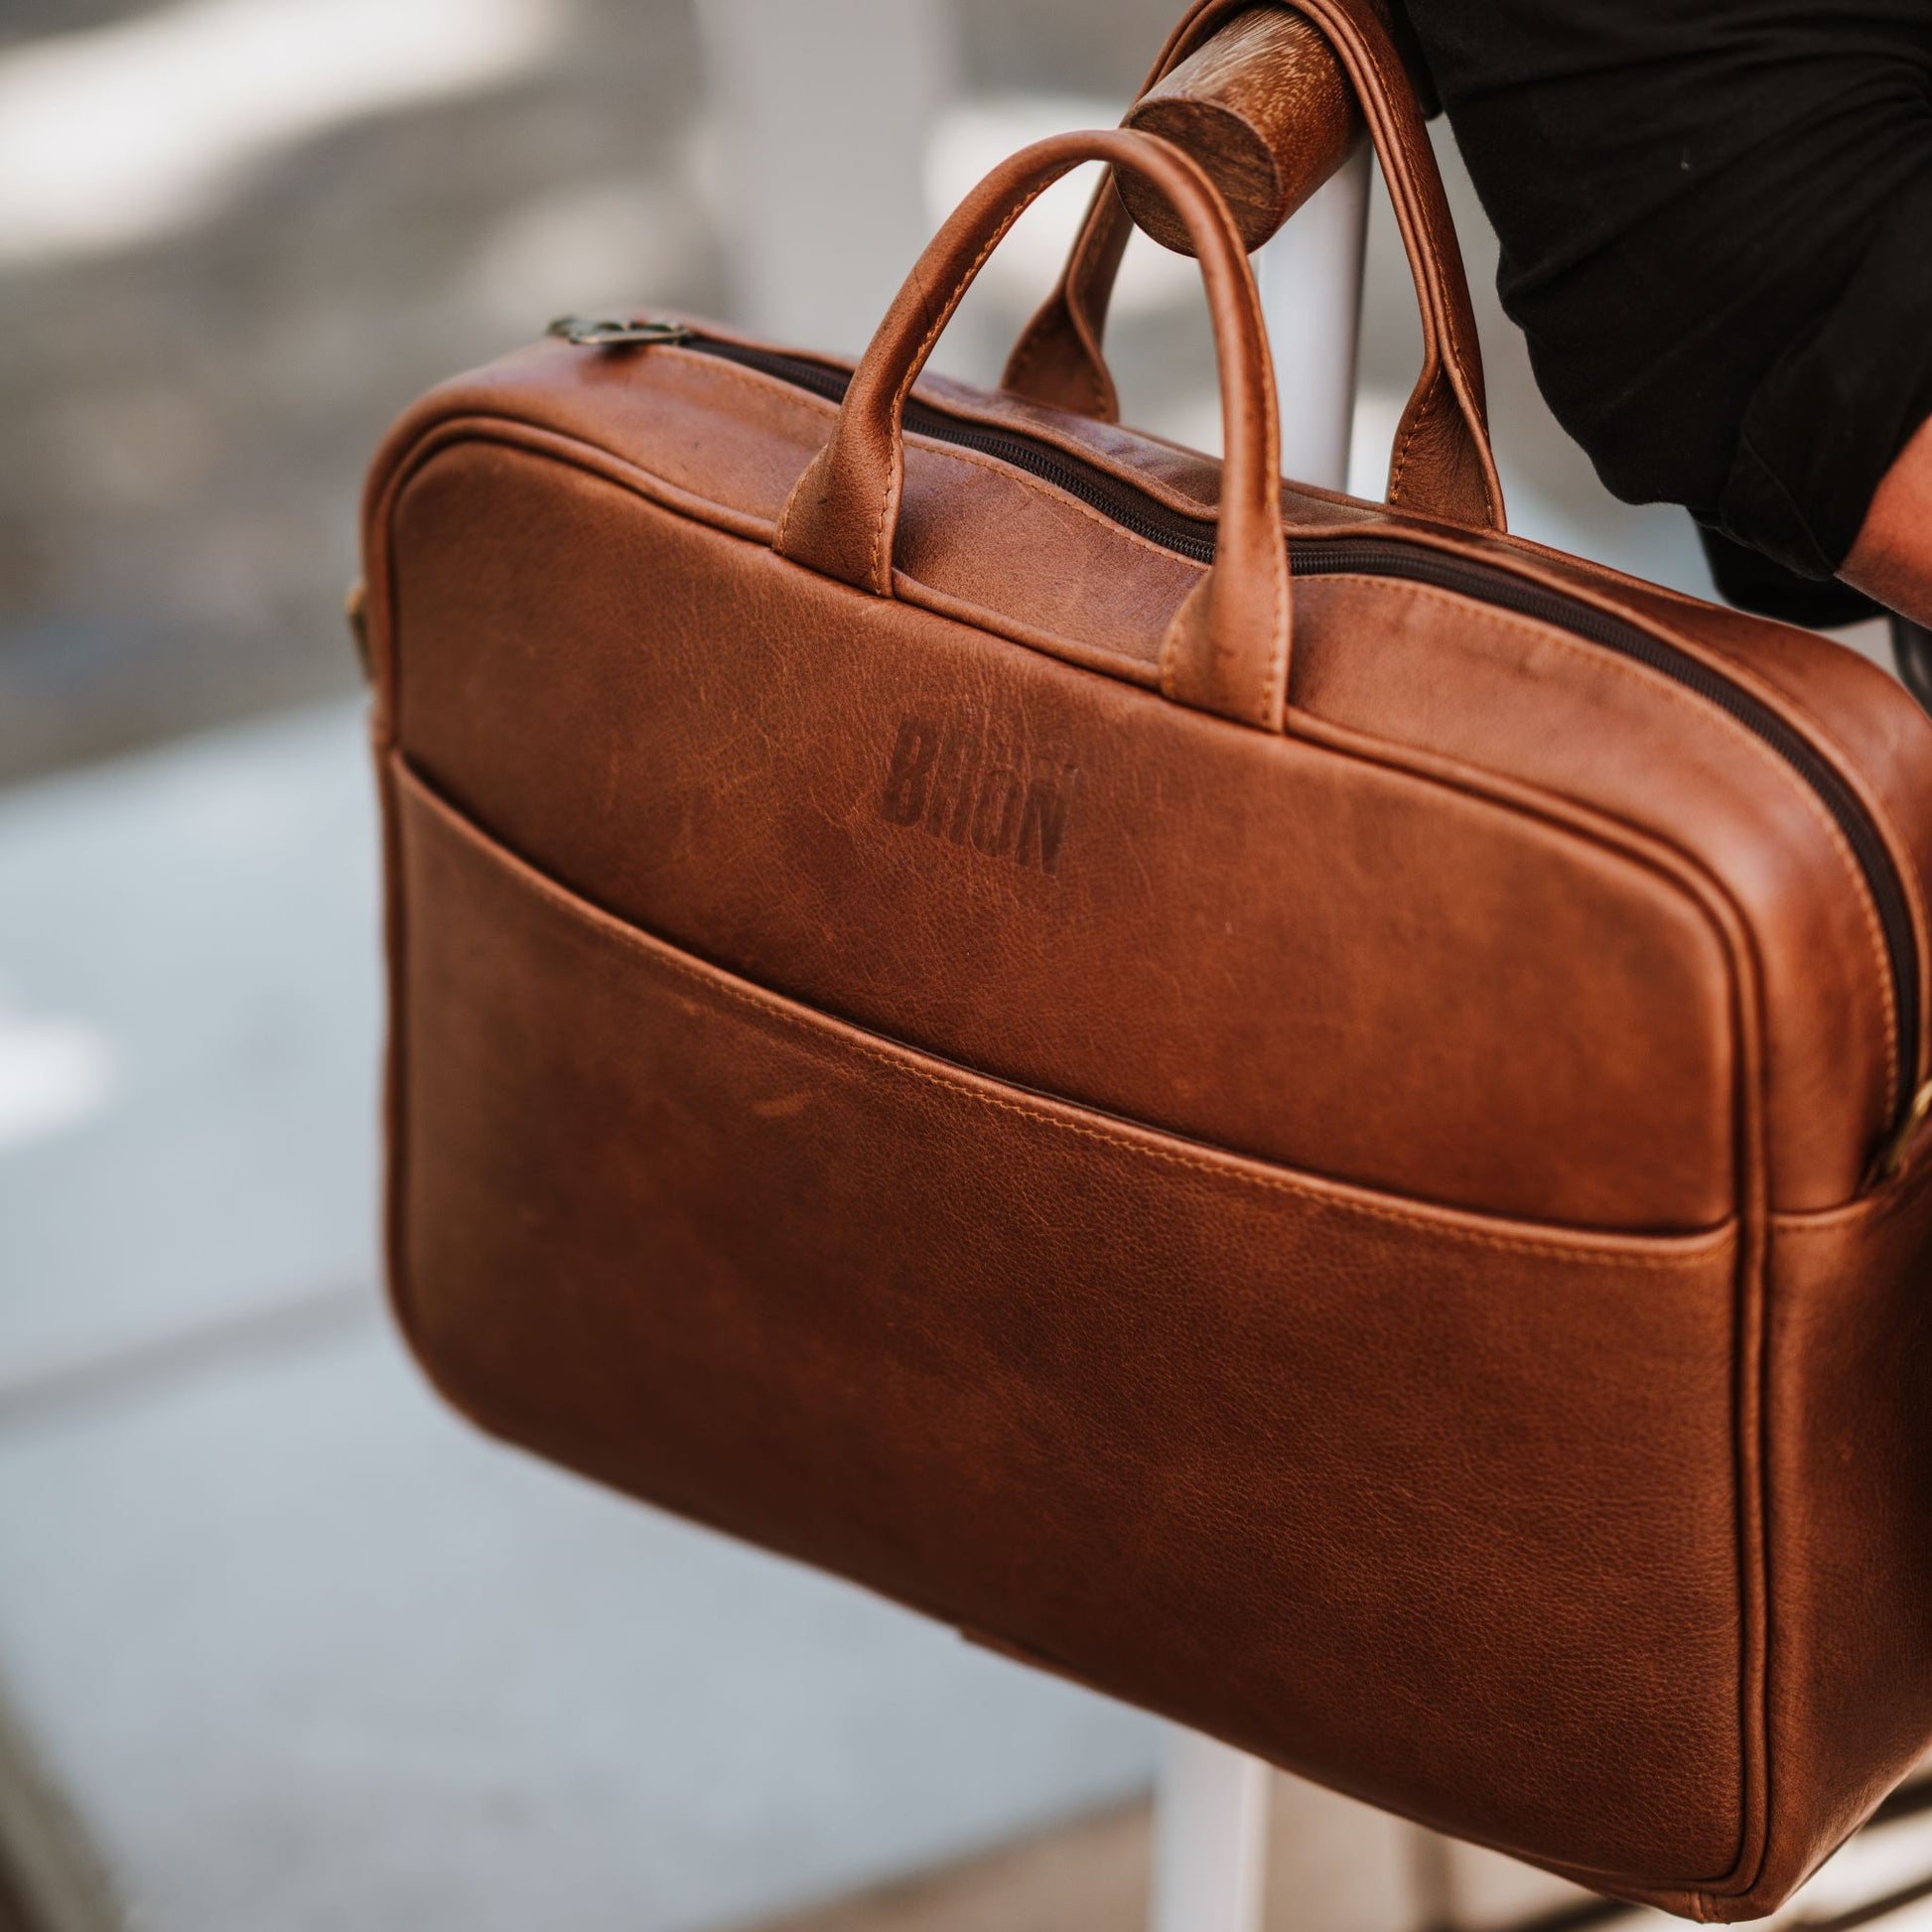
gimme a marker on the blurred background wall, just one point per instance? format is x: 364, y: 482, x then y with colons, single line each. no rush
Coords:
x: 282, y: 1645
x: 236, y: 236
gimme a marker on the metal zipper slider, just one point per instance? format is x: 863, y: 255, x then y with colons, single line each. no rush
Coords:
x: 609, y: 332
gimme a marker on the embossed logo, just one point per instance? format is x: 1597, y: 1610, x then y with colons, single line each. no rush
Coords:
x: 982, y: 788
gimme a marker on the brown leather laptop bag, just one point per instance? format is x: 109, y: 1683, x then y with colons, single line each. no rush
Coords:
x: 1316, y: 1133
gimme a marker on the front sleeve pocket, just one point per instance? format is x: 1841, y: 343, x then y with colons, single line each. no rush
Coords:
x: 1253, y: 1447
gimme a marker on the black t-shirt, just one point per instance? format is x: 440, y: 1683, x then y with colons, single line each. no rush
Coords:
x: 1716, y: 219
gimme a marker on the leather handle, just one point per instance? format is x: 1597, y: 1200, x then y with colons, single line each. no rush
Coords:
x: 1441, y: 465
x: 1226, y: 650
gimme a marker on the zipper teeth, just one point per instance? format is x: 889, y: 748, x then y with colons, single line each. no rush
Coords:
x: 1194, y: 538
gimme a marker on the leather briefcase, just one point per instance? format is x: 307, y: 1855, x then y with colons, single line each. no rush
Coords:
x: 1318, y: 1134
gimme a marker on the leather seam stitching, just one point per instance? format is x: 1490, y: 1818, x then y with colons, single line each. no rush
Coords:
x: 784, y: 516
x: 881, y: 576
x: 1792, y: 1227
x: 1020, y: 363
x: 612, y: 930
x: 1401, y: 457
x: 819, y: 407
x: 1447, y: 327
x: 770, y: 387
x: 1279, y: 1183
x: 1096, y: 389
x: 1093, y: 366
x: 1274, y: 690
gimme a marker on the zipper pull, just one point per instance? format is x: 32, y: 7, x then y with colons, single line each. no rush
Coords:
x: 355, y: 610
x: 1890, y: 1161
x: 606, y: 332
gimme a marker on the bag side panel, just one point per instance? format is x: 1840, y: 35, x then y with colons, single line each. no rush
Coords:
x: 1849, y: 1510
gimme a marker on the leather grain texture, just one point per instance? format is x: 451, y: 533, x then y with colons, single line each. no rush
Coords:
x: 1301, y: 1153
x: 1226, y: 646
x: 982, y: 1310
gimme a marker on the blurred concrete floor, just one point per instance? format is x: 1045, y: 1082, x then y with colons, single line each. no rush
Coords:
x: 297, y: 1647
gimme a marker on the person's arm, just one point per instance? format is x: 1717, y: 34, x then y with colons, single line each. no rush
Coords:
x: 1891, y: 560
x: 1713, y: 219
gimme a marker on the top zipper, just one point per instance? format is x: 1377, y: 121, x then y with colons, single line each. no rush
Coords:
x: 1194, y: 538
